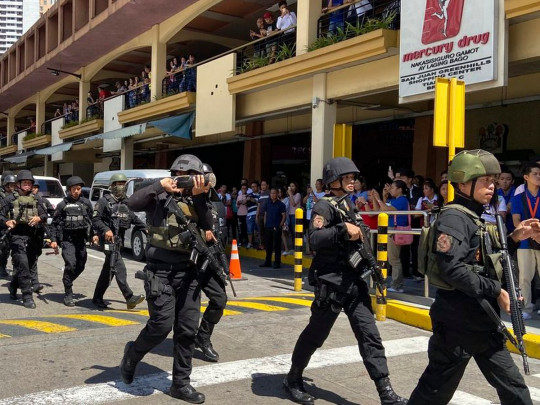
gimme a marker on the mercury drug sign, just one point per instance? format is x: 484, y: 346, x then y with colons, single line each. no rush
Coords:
x: 447, y: 38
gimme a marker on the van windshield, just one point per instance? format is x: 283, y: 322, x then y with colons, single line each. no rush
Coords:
x: 51, y: 189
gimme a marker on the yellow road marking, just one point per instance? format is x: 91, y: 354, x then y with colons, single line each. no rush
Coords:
x: 41, y: 326
x: 105, y: 320
x: 297, y: 301
x: 300, y: 295
x: 4, y: 336
x: 256, y: 305
x: 142, y: 312
x: 226, y: 312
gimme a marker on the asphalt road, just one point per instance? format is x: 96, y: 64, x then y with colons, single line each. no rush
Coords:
x: 55, y: 354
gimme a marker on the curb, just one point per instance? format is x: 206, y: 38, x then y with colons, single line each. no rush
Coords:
x: 403, y: 312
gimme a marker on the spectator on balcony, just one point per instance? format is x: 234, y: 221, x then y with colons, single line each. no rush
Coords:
x: 286, y: 20
x: 189, y: 81
x: 145, y: 86
x: 103, y: 94
x: 271, y: 28
x: 75, y: 110
x: 131, y: 95
x: 358, y: 11
x: 57, y: 113
x: 259, y: 48
x: 171, y: 73
x: 92, y: 105
x: 337, y: 17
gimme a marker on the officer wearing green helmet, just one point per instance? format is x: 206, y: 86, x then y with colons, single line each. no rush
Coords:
x: 23, y: 215
x: 111, y: 219
x: 71, y: 227
x: 174, y: 303
x: 461, y: 328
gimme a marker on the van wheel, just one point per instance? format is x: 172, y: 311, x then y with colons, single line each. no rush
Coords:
x: 137, y: 246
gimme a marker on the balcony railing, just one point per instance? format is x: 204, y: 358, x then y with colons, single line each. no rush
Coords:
x: 181, y: 80
x: 46, y: 127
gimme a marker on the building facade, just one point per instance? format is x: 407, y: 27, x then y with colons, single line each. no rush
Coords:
x: 16, y: 17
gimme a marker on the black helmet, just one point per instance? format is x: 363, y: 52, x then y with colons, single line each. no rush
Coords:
x: 25, y: 175
x: 337, y: 167
x: 186, y: 163
x: 8, y: 178
x: 73, y: 181
x: 207, y: 168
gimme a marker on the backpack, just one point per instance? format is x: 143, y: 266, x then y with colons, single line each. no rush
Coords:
x: 427, y: 258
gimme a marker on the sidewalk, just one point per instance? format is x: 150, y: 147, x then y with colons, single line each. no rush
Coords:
x: 411, y: 307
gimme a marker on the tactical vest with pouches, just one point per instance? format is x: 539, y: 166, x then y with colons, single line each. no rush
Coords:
x: 120, y: 214
x: 25, y: 208
x: 76, y: 216
x: 167, y: 236
x: 489, y: 240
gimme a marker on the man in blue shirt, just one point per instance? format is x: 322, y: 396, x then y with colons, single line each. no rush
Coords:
x: 274, y: 218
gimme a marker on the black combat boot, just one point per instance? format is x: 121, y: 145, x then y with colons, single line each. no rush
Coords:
x: 202, y: 341
x: 38, y: 288
x: 294, y: 385
x: 12, y: 292
x: 134, y: 300
x: 98, y: 302
x: 68, y: 298
x: 187, y: 393
x: 127, y: 365
x: 387, y: 393
x: 29, y: 303
x: 3, y: 272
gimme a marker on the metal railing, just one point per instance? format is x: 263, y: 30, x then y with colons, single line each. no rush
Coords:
x: 181, y: 80
x: 46, y: 127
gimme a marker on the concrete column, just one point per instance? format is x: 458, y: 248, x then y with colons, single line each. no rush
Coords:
x: 323, y: 119
x: 10, y: 128
x: 308, y: 13
x: 158, y: 64
x: 40, y: 112
x: 126, y: 154
x: 84, y: 88
x: 48, y: 166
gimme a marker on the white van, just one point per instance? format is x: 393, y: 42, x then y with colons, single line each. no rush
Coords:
x: 136, y: 241
x: 51, y: 189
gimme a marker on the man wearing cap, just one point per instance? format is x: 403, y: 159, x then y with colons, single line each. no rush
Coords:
x: 71, y: 226
x: 461, y: 328
x: 23, y: 214
x: 271, y: 28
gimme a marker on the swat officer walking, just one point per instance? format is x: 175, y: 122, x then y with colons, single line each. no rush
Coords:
x: 9, y: 184
x: 333, y: 229
x: 461, y: 328
x: 71, y: 226
x: 111, y: 219
x: 172, y: 288
x: 22, y: 214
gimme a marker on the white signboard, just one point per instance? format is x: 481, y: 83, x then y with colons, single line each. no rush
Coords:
x: 448, y: 38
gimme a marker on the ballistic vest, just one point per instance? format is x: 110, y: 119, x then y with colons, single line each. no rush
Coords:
x: 120, y: 214
x: 169, y: 235
x: 75, y: 216
x: 25, y: 208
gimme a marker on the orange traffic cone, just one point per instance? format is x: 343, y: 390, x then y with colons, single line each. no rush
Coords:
x: 234, y: 266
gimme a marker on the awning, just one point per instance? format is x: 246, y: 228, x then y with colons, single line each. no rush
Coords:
x: 21, y: 158
x: 179, y: 125
x: 63, y: 147
x: 119, y: 133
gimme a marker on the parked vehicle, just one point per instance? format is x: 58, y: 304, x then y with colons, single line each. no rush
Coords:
x: 51, y: 189
x: 136, y: 241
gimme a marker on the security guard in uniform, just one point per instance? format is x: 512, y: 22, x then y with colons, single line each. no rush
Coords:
x: 9, y: 184
x: 338, y: 286
x: 71, y: 225
x: 212, y: 285
x: 461, y: 328
x: 23, y: 214
x: 36, y: 285
x: 111, y: 219
x: 172, y: 287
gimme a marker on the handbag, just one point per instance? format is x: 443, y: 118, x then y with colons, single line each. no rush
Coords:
x: 402, y: 239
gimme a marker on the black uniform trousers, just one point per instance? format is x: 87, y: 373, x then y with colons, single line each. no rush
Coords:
x: 25, y: 251
x: 74, y: 255
x: 272, y: 243
x: 214, y: 289
x: 358, y: 310
x: 4, y: 254
x: 34, y: 269
x: 178, y: 312
x: 449, y: 353
x: 106, y: 277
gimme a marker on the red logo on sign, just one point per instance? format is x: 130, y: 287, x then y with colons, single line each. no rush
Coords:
x: 442, y: 20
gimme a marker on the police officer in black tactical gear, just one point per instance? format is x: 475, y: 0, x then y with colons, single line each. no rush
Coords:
x: 111, y: 219
x: 9, y: 184
x: 461, y: 328
x: 23, y: 214
x: 212, y: 285
x: 71, y: 225
x: 338, y: 286
x: 173, y: 292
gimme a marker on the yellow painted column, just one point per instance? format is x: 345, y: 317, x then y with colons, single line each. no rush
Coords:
x: 343, y: 140
x: 10, y: 128
x: 40, y: 112
x: 308, y: 13
x: 84, y: 88
x: 382, y: 258
x: 298, y: 247
x: 158, y: 64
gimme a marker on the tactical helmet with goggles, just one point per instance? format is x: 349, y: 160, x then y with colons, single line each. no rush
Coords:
x: 471, y: 164
x: 337, y: 167
x: 187, y: 163
x: 73, y: 181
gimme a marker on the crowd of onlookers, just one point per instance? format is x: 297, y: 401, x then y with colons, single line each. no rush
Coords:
x: 181, y: 75
x: 515, y: 198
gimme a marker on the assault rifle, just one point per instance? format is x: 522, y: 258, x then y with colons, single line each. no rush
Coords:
x: 3, y: 239
x: 213, y: 255
x: 116, y: 246
x: 362, y: 252
x: 515, y: 299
